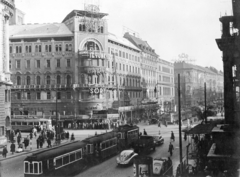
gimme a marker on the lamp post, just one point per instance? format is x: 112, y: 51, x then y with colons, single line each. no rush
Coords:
x: 180, y: 124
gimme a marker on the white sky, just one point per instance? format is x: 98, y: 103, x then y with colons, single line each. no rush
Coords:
x: 171, y: 27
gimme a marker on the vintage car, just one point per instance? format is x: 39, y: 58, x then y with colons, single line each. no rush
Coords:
x: 158, y: 139
x: 126, y: 157
x: 162, y: 167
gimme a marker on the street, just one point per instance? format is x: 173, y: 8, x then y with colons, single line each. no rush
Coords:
x: 109, y: 167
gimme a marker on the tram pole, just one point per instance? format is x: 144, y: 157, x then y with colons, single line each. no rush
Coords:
x: 180, y: 123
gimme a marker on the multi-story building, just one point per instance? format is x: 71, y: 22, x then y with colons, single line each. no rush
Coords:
x: 192, y: 79
x: 6, y: 12
x: 87, y: 69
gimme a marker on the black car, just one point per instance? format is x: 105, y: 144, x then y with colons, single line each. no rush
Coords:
x: 158, y: 139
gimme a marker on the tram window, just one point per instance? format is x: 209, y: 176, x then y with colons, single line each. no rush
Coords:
x: 13, y: 123
x: 65, y: 159
x: 18, y: 123
x: 72, y: 157
x: 30, y: 123
x: 78, y: 154
x: 35, y: 167
x: 26, y: 167
x: 40, y: 167
x: 31, y: 167
x: 36, y: 123
x: 59, y: 162
x: 103, y: 146
x: 24, y: 123
x: 110, y: 143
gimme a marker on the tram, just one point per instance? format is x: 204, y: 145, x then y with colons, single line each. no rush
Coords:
x: 59, y: 161
x: 27, y: 124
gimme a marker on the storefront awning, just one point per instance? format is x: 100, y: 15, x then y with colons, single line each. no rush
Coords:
x: 201, y: 129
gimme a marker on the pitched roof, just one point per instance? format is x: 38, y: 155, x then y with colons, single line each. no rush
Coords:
x: 39, y: 30
x: 141, y: 44
x: 122, y: 41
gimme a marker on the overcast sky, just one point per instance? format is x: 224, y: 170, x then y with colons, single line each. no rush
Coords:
x: 171, y: 27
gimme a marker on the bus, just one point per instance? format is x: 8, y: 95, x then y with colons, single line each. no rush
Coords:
x: 27, y: 124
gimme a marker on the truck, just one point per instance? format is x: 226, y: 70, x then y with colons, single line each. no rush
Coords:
x: 144, y: 144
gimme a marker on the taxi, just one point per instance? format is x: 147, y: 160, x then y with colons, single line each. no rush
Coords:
x: 126, y: 157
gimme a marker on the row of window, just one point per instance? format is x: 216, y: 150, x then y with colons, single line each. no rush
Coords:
x: 146, y: 72
x: 42, y: 95
x: 131, y: 94
x: 132, y: 82
x: 38, y: 48
x: 48, y: 80
x: 120, y: 67
x: 30, y: 123
x: 123, y: 54
x: 109, y: 143
x: 91, y: 28
x: 96, y: 62
x: 38, y: 63
x: 67, y: 159
x: 132, y: 134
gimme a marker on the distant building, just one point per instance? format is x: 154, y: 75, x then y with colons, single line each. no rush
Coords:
x: 6, y: 12
x: 192, y: 79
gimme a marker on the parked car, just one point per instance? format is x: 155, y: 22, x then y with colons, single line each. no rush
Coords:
x: 161, y: 167
x: 126, y: 157
x: 158, y: 139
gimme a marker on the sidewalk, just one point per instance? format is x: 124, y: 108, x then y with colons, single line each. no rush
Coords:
x: 30, y: 148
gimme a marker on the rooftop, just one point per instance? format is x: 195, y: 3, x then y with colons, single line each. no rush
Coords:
x: 39, y: 30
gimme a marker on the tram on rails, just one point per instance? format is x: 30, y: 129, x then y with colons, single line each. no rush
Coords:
x: 27, y: 124
x: 73, y: 158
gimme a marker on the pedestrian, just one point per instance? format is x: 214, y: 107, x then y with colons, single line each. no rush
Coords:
x: 26, y: 142
x: 72, y: 137
x: 170, y: 148
x: 38, y: 142
x: 13, y: 147
x: 49, y: 143
x: 144, y: 132
x: 159, y: 124
x: 4, y: 152
x: 172, y: 136
x: 169, y: 167
x: 31, y: 135
x: 67, y: 135
x: 19, y: 139
x: 185, y: 136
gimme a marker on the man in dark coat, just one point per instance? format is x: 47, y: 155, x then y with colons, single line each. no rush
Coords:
x: 26, y: 142
x: 144, y: 132
x: 4, y: 152
x: 13, y: 147
x: 38, y: 142
x: 172, y: 136
x: 49, y: 142
x: 170, y: 148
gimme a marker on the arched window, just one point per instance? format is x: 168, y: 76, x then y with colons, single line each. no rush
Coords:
x: 38, y: 80
x: 18, y: 80
x: 20, y: 49
x: 83, y: 27
x: 16, y: 49
x: 50, y: 48
x: 26, y: 49
x: 28, y: 80
x: 30, y: 49
x: 10, y: 49
x: 90, y: 45
x: 66, y: 49
x: 60, y: 47
x: 101, y: 29
x: 130, y: 82
x: 36, y: 48
x: 56, y: 48
x: 58, y: 79
x: 68, y: 80
x: 48, y: 80
x: 80, y: 27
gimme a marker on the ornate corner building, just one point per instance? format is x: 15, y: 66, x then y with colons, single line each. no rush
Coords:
x: 6, y: 12
x: 87, y: 69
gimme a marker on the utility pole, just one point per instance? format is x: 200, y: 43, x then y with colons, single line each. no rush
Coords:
x: 205, y: 100
x: 180, y: 123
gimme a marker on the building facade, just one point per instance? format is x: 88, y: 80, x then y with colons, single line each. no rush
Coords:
x: 6, y: 12
x: 88, y: 69
x: 192, y: 79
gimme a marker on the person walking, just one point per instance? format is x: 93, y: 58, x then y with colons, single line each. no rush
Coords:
x: 170, y: 148
x: 49, y: 143
x: 144, y: 132
x: 4, y: 152
x: 172, y: 136
x: 13, y: 147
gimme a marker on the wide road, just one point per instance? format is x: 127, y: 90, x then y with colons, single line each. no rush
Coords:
x: 109, y: 167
